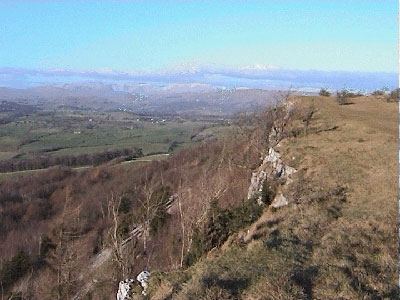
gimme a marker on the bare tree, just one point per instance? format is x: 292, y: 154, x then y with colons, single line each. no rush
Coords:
x: 307, y: 117
x: 64, y: 256
x: 343, y: 96
x: 147, y: 210
x: 116, y: 240
x: 182, y: 221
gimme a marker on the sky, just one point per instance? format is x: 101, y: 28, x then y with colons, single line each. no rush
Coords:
x: 154, y: 36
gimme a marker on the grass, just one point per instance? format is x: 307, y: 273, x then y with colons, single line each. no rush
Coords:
x: 337, y: 239
x: 361, y: 153
x: 67, y: 132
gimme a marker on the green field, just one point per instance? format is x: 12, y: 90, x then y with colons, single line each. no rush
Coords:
x: 68, y: 132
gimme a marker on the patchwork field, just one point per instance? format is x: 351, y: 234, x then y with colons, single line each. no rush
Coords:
x: 68, y: 132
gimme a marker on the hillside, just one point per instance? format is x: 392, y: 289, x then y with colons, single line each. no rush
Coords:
x: 316, y: 218
x: 336, y: 239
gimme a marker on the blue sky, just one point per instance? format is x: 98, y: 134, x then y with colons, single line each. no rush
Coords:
x: 150, y: 35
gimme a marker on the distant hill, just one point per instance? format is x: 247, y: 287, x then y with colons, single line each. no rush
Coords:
x: 189, y: 99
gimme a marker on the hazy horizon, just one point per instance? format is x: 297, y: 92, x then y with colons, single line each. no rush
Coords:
x: 259, y: 44
x: 273, y: 78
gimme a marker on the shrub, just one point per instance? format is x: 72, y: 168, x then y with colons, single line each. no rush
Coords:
x: 268, y: 193
x: 219, y: 225
x: 158, y: 221
x: 197, y: 248
x: 343, y: 97
x: 159, y: 215
x: 378, y: 93
x: 394, y: 95
x: 46, y: 244
x: 172, y: 146
x: 14, y: 269
x: 324, y: 92
x: 125, y: 205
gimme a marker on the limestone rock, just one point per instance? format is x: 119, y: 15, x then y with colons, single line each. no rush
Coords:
x: 257, y: 181
x: 279, y: 201
x: 271, y: 167
x: 125, y: 289
x: 143, y: 279
x: 280, y: 170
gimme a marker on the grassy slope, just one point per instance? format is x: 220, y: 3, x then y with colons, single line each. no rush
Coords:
x: 360, y: 155
x: 338, y: 236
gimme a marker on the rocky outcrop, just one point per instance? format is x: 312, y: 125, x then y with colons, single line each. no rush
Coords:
x: 279, y: 169
x: 279, y: 201
x: 143, y: 279
x: 125, y: 289
x: 256, y: 183
x: 273, y: 167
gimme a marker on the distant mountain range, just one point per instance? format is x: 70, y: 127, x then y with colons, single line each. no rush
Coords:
x: 192, y: 78
x: 184, y: 99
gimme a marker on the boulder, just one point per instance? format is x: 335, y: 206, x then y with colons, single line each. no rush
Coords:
x: 125, y: 289
x: 279, y: 201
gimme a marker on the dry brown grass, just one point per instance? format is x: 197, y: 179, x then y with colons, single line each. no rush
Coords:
x: 360, y: 155
x: 337, y: 239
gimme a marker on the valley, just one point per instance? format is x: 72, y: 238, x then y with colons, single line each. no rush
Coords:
x: 313, y: 219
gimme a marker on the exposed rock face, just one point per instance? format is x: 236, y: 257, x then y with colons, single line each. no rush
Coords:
x: 257, y: 181
x: 101, y: 258
x: 272, y: 166
x: 280, y: 170
x: 279, y: 201
x: 125, y: 289
x: 143, y: 279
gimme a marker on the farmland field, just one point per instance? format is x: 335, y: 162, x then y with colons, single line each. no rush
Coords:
x: 74, y: 132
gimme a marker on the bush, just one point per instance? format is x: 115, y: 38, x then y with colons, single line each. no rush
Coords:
x: 394, y: 95
x: 159, y: 215
x: 343, y: 97
x: 324, y: 92
x: 268, y: 193
x: 172, y: 146
x: 125, y: 205
x: 14, y: 269
x: 378, y: 93
x: 219, y: 226
x: 158, y: 221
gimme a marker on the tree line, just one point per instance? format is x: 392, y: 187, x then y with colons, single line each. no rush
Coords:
x: 86, y: 159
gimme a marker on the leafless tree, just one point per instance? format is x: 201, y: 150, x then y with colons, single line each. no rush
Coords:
x: 307, y: 117
x: 182, y: 221
x: 116, y: 240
